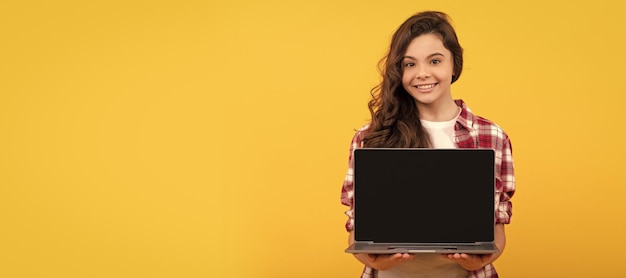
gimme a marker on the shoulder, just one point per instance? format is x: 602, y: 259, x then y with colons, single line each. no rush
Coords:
x: 359, y: 135
x: 473, y: 121
x: 489, y: 126
x: 487, y: 131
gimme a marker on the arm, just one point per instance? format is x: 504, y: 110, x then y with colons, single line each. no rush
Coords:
x: 505, y: 188
x: 379, y: 262
x: 475, y: 262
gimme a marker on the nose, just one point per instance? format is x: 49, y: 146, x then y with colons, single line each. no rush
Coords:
x: 422, y: 72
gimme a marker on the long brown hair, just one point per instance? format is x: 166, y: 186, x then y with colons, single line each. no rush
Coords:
x: 395, y: 119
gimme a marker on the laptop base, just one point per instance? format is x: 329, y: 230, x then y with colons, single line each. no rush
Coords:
x: 413, y: 248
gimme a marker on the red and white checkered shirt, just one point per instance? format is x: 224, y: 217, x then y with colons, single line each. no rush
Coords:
x: 470, y: 131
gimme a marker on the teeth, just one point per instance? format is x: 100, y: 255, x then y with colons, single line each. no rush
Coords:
x: 424, y: 87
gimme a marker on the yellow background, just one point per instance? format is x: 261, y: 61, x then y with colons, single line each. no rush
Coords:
x: 210, y: 138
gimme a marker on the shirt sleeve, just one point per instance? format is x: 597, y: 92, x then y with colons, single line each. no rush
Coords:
x: 347, y: 191
x: 505, y: 184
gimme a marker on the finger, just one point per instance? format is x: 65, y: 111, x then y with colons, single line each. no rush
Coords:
x: 396, y: 257
x: 451, y: 257
x: 471, y: 257
x: 467, y: 258
x: 463, y: 257
x: 384, y: 257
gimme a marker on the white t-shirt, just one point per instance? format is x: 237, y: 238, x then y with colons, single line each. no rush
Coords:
x: 441, y: 133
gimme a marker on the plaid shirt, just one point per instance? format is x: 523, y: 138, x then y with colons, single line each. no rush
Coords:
x: 471, y: 131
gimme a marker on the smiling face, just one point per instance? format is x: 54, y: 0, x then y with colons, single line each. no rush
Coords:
x: 427, y: 69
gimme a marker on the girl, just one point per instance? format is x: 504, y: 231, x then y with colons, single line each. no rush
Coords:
x: 413, y: 108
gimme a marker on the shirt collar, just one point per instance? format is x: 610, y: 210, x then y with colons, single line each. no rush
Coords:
x: 466, y: 118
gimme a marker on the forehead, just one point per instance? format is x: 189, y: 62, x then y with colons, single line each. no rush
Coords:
x: 425, y: 45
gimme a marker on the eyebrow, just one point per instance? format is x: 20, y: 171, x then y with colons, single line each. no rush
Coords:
x: 429, y: 56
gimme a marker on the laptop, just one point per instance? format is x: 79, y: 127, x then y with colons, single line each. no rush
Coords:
x: 424, y: 201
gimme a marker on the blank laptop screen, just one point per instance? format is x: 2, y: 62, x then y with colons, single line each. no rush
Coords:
x: 424, y: 195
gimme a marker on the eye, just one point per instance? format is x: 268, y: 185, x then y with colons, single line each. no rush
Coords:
x: 408, y: 64
x: 435, y: 61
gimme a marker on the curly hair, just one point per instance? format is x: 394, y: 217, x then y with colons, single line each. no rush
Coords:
x: 395, y: 119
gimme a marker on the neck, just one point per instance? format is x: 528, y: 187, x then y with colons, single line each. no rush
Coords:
x: 441, y: 112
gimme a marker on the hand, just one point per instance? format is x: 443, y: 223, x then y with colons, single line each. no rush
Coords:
x: 469, y: 261
x: 386, y: 261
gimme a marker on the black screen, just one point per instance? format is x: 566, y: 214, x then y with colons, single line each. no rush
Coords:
x: 424, y: 195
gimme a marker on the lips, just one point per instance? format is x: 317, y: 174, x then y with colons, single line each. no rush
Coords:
x: 425, y: 86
